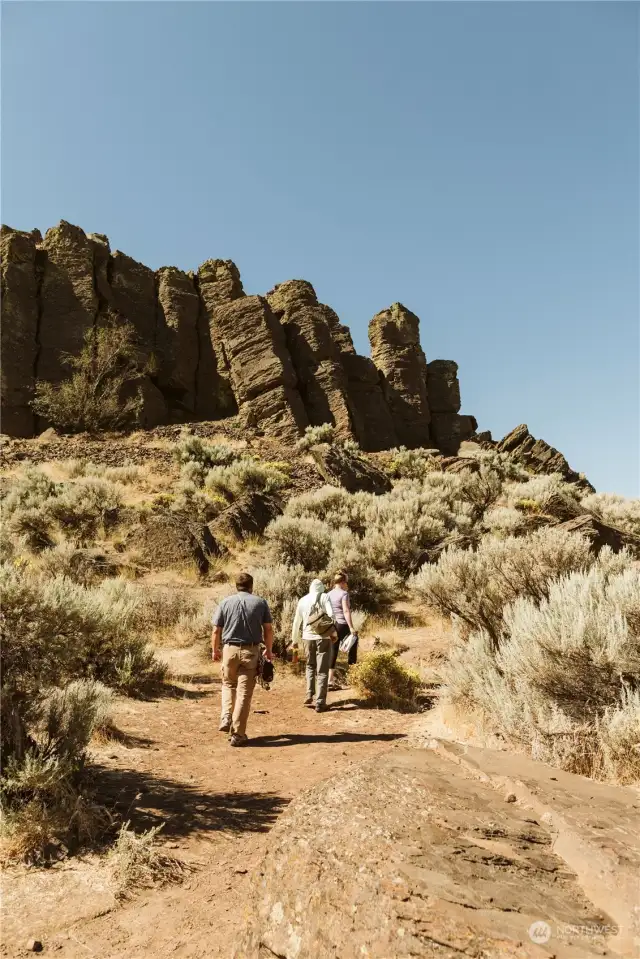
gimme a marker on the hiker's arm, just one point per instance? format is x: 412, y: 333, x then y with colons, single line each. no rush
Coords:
x: 346, y: 609
x: 216, y: 643
x: 297, y: 623
x: 267, y: 633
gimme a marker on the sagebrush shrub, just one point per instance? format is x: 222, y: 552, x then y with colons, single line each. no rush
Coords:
x: 300, y: 541
x: 95, y: 396
x: 35, y: 509
x: 245, y: 476
x: 315, y: 435
x: 54, y: 631
x: 614, y: 510
x: 192, y: 449
x: 282, y: 586
x: 563, y: 679
x: 544, y: 494
x: 412, y: 464
x: 477, y: 586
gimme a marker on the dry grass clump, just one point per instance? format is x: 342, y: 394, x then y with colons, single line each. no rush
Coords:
x: 137, y: 862
x: 126, y: 474
x: 105, y: 372
x: 563, y: 678
x: 384, y: 681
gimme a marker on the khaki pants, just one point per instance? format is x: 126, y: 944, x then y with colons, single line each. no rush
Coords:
x: 318, y: 658
x: 239, y: 669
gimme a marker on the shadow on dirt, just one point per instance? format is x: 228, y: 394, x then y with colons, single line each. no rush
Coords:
x: 145, y: 801
x: 297, y: 739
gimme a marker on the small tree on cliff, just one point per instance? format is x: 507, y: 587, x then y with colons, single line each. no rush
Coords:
x: 101, y: 393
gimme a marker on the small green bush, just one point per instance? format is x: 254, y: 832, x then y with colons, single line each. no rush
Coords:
x: 384, y: 681
x: 315, y: 435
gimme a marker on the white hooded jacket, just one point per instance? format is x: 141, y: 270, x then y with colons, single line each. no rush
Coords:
x: 316, y: 591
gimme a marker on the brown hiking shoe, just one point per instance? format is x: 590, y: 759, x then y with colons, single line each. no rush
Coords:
x: 237, y: 740
x: 224, y: 727
x: 308, y: 701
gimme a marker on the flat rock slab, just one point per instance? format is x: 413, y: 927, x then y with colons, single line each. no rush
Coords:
x: 38, y: 902
x: 410, y: 855
x: 596, y: 827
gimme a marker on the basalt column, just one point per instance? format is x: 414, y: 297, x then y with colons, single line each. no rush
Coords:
x: 261, y: 373
x: 395, y: 350
x: 448, y: 427
x: 18, y: 331
x: 218, y: 283
x: 321, y: 378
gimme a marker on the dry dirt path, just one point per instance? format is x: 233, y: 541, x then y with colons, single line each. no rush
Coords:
x: 217, y: 805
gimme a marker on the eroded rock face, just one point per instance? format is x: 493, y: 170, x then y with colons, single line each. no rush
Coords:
x: 443, y: 388
x: 133, y: 298
x: 68, y: 299
x: 208, y: 351
x: 179, y: 308
x: 449, y: 430
x: 373, y: 423
x: 339, y: 467
x: 406, y: 856
x: 218, y: 282
x: 260, y: 369
x: 249, y: 516
x: 321, y: 378
x: 396, y: 352
x: 18, y: 330
x: 538, y: 456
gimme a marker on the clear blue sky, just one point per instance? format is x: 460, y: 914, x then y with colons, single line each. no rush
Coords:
x: 476, y: 161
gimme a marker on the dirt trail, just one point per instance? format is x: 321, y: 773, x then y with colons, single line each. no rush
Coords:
x: 217, y: 805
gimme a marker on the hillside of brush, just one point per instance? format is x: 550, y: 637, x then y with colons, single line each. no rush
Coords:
x: 116, y: 548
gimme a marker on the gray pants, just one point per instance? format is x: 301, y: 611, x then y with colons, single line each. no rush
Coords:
x: 318, y: 657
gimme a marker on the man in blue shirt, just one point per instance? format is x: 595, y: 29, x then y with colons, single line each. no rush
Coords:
x: 240, y: 623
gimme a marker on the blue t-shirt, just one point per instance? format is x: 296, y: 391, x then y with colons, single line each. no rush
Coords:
x: 242, y: 617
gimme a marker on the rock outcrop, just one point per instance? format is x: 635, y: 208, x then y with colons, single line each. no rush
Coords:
x: 448, y: 428
x: 208, y: 351
x: 538, y: 456
x: 18, y: 330
x: 321, y: 378
x: 340, y: 467
x: 261, y: 372
x: 410, y: 855
x: 218, y: 283
x: 68, y: 302
x: 396, y: 352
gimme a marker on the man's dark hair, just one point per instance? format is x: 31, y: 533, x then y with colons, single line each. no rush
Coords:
x: 244, y: 582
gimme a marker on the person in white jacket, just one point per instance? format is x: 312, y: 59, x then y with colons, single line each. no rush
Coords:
x: 314, y: 616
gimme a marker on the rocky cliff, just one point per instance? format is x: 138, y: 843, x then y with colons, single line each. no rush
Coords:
x: 282, y: 361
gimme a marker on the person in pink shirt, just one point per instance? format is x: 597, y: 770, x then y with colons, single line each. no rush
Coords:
x: 339, y: 597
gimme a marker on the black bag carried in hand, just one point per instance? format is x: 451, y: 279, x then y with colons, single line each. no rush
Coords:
x: 266, y: 671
